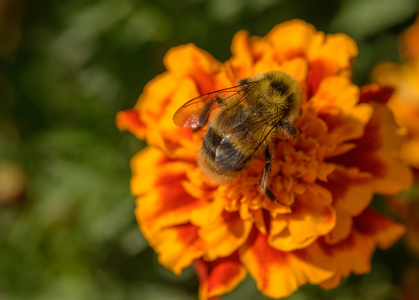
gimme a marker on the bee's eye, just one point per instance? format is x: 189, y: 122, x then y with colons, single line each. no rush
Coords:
x: 279, y: 86
x: 243, y: 81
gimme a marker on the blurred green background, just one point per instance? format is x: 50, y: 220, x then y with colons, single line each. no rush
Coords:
x: 67, y: 228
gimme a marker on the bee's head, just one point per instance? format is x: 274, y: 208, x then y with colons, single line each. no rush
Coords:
x: 277, y: 85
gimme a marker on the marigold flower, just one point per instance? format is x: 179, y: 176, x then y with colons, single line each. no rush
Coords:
x: 346, y: 152
x: 404, y: 103
x: 404, y: 79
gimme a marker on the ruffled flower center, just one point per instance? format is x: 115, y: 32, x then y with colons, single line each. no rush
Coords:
x: 298, y: 164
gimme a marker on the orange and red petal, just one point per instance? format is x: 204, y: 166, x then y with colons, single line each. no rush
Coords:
x: 376, y: 93
x: 143, y: 167
x: 162, y: 132
x: 151, y: 119
x: 191, y: 62
x: 191, y: 72
x: 225, y: 234
x: 336, y: 104
x: 155, y: 97
x: 353, y: 254
x: 352, y: 193
x: 278, y: 273
x: 130, y: 120
x: 328, y: 56
x: 342, y: 229
x: 177, y: 246
x: 312, y: 216
x: 175, y: 141
x: 219, y: 276
x: 352, y: 149
x: 397, y: 176
x: 379, y: 228
x: 378, y: 152
x: 350, y: 189
x: 162, y: 200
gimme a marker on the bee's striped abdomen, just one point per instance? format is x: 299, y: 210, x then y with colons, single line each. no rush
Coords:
x: 219, y: 156
x: 211, y: 142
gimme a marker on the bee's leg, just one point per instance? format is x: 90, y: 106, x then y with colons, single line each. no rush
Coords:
x: 289, y: 128
x: 263, y: 186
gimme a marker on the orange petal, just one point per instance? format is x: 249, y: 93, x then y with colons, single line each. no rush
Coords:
x: 375, y: 92
x: 386, y: 74
x: 352, y: 193
x: 351, y: 189
x: 175, y: 141
x: 163, y: 201
x: 202, y: 188
x: 291, y: 39
x: 277, y: 273
x: 311, y: 217
x: 330, y: 56
x: 191, y: 72
x: 410, y: 152
x: 143, y: 167
x: 393, y: 176
x: 219, y: 276
x: 177, y: 247
x: 336, y: 103
x: 378, y: 153
x: 263, y: 55
x: 130, y: 120
x: 342, y: 228
x: 383, y: 230
x: 327, y: 55
x: 190, y: 61
x: 155, y: 97
x: 259, y: 220
x: 242, y: 58
x: 410, y: 41
x: 156, y: 106
x: 223, y: 236
x: 296, y: 68
x: 354, y: 253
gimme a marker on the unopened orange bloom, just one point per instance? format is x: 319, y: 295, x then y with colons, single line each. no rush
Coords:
x: 346, y: 152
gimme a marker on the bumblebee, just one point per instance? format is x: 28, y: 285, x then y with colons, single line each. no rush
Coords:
x: 243, y: 120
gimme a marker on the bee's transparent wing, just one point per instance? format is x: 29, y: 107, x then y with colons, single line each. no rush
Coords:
x: 236, y: 115
x: 196, y: 112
